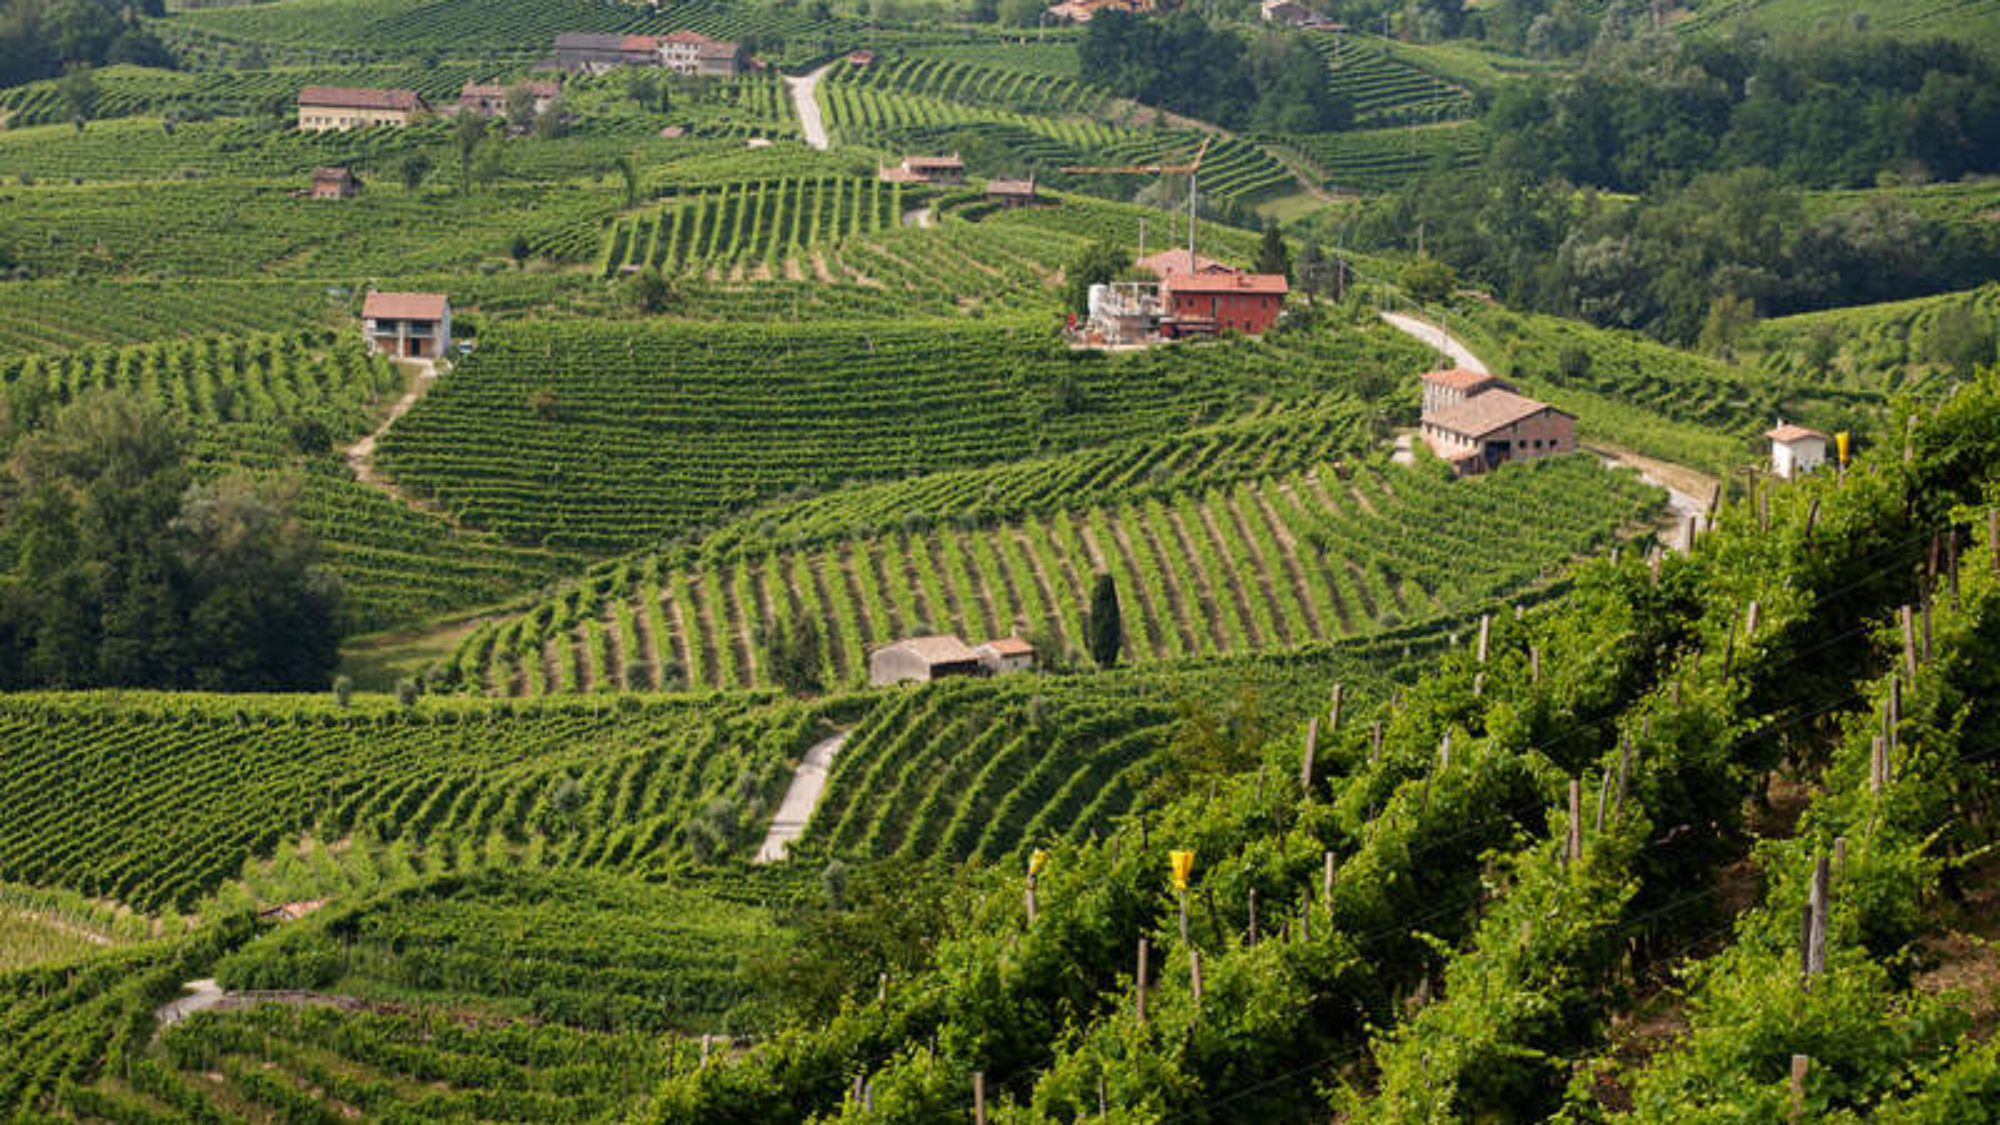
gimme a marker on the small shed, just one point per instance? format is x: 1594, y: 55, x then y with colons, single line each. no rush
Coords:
x: 1796, y: 450
x: 861, y: 57
x: 922, y: 659
x: 335, y: 183
x: 1012, y: 193
x: 1008, y: 654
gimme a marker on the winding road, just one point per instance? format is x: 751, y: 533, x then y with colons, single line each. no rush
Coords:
x: 1682, y: 483
x: 803, y: 88
x: 361, y: 455
x: 800, y: 800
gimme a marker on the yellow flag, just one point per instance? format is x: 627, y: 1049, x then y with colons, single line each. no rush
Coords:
x: 1037, y: 860
x: 1183, y: 862
x: 1840, y: 440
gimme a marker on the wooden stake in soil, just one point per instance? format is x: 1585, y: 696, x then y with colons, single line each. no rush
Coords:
x: 1312, y: 747
x: 1326, y: 883
x: 1876, y: 760
x: 1812, y: 518
x: 1750, y: 622
x: 1139, y: 983
x: 1575, y: 851
x: 979, y: 1097
x: 1194, y: 974
x: 1909, y: 645
x: 1924, y: 649
x: 1603, y: 799
x: 1253, y: 916
x: 1485, y: 634
x: 1333, y: 712
x: 1816, y: 948
x: 1624, y: 772
x: 1534, y: 664
x: 704, y: 1052
x: 1800, y: 1065
x: 1375, y: 743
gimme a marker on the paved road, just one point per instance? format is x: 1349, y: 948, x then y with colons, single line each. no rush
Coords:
x: 1682, y: 483
x: 802, y: 88
x: 206, y: 994
x: 800, y: 799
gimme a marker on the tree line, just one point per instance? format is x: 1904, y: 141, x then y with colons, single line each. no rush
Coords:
x: 120, y: 566
x: 43, y: 38
x: 1182, y: 63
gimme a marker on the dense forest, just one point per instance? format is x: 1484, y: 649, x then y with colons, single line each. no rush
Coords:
x: 1182, y: 63
x: 42, y: 38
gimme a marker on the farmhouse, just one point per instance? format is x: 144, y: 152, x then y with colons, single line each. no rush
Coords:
x: 691, y: 52
x: 335, y: 183
x: 342, y: 107
x: 408, y: 325
x: 1795, y: 450
x: 1289, y: 13
x: 491, y: 101
x: 1495, y: 426
x: 1245, y: 302
x: 861, y: 57
x: 922, y: 659
x: 1081, y: 11
x: 586, y: 52
x: 925, y: 170
x: 1008, y: 654
x: 1449, y: 388
x: 1012, y: 193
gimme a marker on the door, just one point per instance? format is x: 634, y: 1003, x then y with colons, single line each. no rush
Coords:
x: 414, y: 349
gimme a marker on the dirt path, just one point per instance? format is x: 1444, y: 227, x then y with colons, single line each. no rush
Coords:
x: 206, y: 994
x: 922, y: 218
x: 804, y: 90
x: 800, y: 798
x: 361, y: 455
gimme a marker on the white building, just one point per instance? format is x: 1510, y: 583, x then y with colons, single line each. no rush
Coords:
x: 1008, y: 654
x: 1796, y: 450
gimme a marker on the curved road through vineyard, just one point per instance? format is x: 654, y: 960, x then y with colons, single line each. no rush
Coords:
x: 804, y: 90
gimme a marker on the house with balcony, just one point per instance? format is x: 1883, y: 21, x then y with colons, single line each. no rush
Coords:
x: 407, y: 325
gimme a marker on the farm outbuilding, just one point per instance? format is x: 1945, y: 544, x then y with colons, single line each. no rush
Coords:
x: 335, y: 183
x: 1796, y: 450
x: 1246, y: 302
x: 1008, y: 654
x: 1012, y: 193
x: 407, y: 325
x: 922, y: 659
x: 491, y: 100
x: 1444, y: 389
x: 925, y: 170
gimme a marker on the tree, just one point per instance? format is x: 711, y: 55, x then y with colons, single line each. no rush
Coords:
x: 1272, y: 254
x: 1428, y: 281
x: 1957, y: 340
x: 520, y: 107
x: 79, y: 93
x: 551, y: 123
x: 647, y: 292
x: 139, y: 48
x: 413, y: 169
x: 1729, y: 317
x: 470, y: 133
x: 642, y: 87
x: 791, y: 654
x: 1098, y: 263
x: 1105, y: 628
x: 628, y: 170
x: 519, y: 249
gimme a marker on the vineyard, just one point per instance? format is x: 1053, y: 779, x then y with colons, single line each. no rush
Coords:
x: 1383, y: 89
x: 155, y: 800
x: 764, y: 222
x: 61, y: 316
x: 1390, y: 159
x: 1266, y: 563
x: 1876, y: 348
x: 647, y: 430
x: 129, y: 91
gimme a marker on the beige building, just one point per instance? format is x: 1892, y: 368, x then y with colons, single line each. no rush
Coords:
x: 1494, y: 427
x: 335, y: 183
x: 407, y: 325
x: 1449, y: 388
x: 691, y: 52
x: 1796, y: 450
x: 923, y: 659
x: 925, y: 170
x: 491, y: 101
x: 1008, y: 654
x: 322, y: 108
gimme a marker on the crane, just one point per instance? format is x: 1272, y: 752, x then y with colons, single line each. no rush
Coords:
x: 1191, y: 170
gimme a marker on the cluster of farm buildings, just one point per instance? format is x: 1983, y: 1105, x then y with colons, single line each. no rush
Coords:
x: 1189, y: 296
x: 1289, y: 13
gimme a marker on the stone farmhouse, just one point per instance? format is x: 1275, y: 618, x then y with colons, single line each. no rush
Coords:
x: 683, y: 52
x: 1475, y: 422
x: 407, y: 325
x: 1012, y: 193
x: 323, y: 108
x: 922, y: 659
x: 491, y: 100
x: 925, y: 170
x: 1082, y: 11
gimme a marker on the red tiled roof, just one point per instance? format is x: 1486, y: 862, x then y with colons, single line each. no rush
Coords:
x: 1265, y: 284
x: 1176, y: 261
x: 1482, y: 414
x: 1459, y: 378
x: 347, y: 97
x: 945, y: 649
x: 684, y: 36
x: 332, y: 174
x: 1009, y: 646
x: 1789, y: 432
x: 405, y: 306
x: 1010, y: 187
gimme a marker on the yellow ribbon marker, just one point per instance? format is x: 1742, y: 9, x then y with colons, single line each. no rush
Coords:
x: 1183, y: 862
x: 1037, y: 860
x: 1840, y: 442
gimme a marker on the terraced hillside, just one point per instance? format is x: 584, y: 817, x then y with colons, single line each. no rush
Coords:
x: 764, y: 222
x: 1388, y: 159
x: 1899, y: 347
x: 605, y: 436
x: 1914, y: 19
x: 1267, y: 563
x: 1383, y: 89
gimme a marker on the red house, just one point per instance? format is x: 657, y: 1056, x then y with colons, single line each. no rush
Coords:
x: 1246, y: 302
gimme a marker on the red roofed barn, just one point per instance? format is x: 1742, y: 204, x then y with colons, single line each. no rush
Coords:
x: 407, y: 325
x: 1246, y: 302
x: 341, y: 107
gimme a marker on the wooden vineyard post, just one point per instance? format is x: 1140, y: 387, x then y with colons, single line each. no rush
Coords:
x: 1816, y: 921
x: 1876, y: 760
x: 1214, y: 917
x: 1624, y: 773
x: 1485, y: 634
x: 1194, y: 974
x: 1909, y: 645
x: 1326, y: 883
x: 1184, y: 930
x: 1312, y: 747
x: 1812, y: 518
x: 1763, y: 511
x: 704, y: 1052
x: 1139, y: 983
x: 1750, y: 621
x: 1534, y: 664
x: 1253, y: 916
x: 1800, y: 1065
x: 1603, y: 799
x: 1951, y: 565
x: 979, y: 1097
x: 1375, y: 743
x: 1574, y: 853
x: 1924, y: 636
x: 1333, y: 712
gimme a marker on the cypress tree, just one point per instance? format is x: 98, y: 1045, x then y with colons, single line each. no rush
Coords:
x: 1105, y: 629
